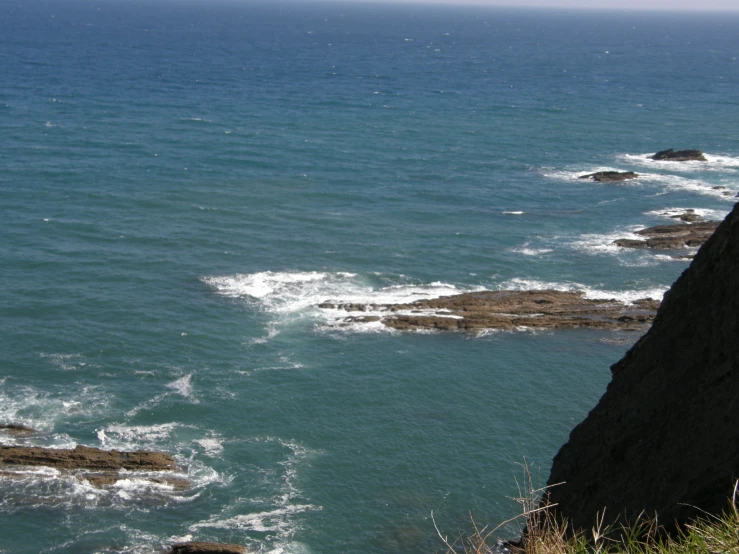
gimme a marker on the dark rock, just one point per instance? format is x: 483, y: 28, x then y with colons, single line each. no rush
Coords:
x: 508, y: 310
x: 610, y: 176
x: 15, y: 429
x: 688, y: 216
x: 664, y: 438
x: 679, y: 155
x: 630, y: 243
x: 671, y: 237
x: 206, y: 547
x: 84, y: 457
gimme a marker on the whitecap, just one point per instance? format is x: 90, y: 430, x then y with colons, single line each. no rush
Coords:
x: 626, y: 296
x: 527, y: 250
x: 273, y: 520
x: 704, y: 213
x: 131, y: 437
x: 668, y: 181
x: 297, y: 294
x: 600, y: 243
x: 183, y: 385
x: 211, y: 445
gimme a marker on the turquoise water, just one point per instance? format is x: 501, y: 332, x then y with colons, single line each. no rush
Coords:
x: 181, y: 185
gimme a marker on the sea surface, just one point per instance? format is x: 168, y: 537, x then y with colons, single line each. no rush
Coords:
x: 181, y: 183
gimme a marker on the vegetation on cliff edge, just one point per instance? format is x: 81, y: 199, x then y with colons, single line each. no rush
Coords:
x: 546, y: 534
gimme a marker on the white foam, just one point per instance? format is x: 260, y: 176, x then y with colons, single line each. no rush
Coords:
x: 294, y: 292
x: 603, y: 242
x: 40, y: 410
x: 703, y: 213
x: 513, y: 213
x: 50, y: 487
x: 679, y: 183
x: 527, y: 250
x: 275, y: 516
x: 211, y: 445
x: 626, y: 296
x: 127, y: 437
x: 668, y: 181
x: 270, y: 521
x: 299, y: 294
x: 183, y: 385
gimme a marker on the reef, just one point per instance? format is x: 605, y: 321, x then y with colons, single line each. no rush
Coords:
x: 506, y: 310
x: 671, y: 237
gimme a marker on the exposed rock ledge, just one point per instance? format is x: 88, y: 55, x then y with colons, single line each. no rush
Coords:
x: 99, y: 467
x: 506, y: 310
x: 679, y: 155
x: 610, y: 176
x: 670, y: 237
x: 206, y: 548
x: 84, y: 457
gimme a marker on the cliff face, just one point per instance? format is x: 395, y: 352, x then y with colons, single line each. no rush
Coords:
x: 664, y: 438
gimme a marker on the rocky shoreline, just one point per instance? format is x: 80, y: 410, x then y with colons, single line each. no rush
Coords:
x: 505, y: 310
x: 671, y: 237
x: 103, y: 469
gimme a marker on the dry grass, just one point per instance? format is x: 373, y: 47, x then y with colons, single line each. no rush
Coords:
x: 545, y: 534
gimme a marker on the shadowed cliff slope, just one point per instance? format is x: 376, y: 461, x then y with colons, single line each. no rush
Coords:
x: 664, y: 438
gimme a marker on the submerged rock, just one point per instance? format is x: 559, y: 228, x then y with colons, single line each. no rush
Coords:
x: 206, y: 547
x: 671, y: 237
x: 84, y: 457
x: 610, y: 176
x: 679, y: 155
x: 16, y: 429
x: 664, y: 438
x: 507, y: 310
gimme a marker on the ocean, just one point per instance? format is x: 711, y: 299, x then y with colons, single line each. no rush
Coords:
x: 182, y: 183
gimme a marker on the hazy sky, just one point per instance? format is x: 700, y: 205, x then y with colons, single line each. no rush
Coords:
x: 682, y: 5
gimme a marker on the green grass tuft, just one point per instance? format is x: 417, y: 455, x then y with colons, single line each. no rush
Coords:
x: 546, y: 534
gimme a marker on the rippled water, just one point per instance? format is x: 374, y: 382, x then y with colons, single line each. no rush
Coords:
x: 181, y: 185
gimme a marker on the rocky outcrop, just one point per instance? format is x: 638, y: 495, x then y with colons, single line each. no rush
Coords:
x: 610, y: 176
x: 99, y: 468
x: 664, y: 438
x: 679, y: 156
x: 671, y: 237
x: 84, y: 457
x: 506, y: 310
x: 206, y: 547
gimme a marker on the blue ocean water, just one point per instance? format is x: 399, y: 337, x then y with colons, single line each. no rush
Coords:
x: 182, y: 183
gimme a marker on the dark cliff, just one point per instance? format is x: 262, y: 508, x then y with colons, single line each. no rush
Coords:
x: 664, y: 438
